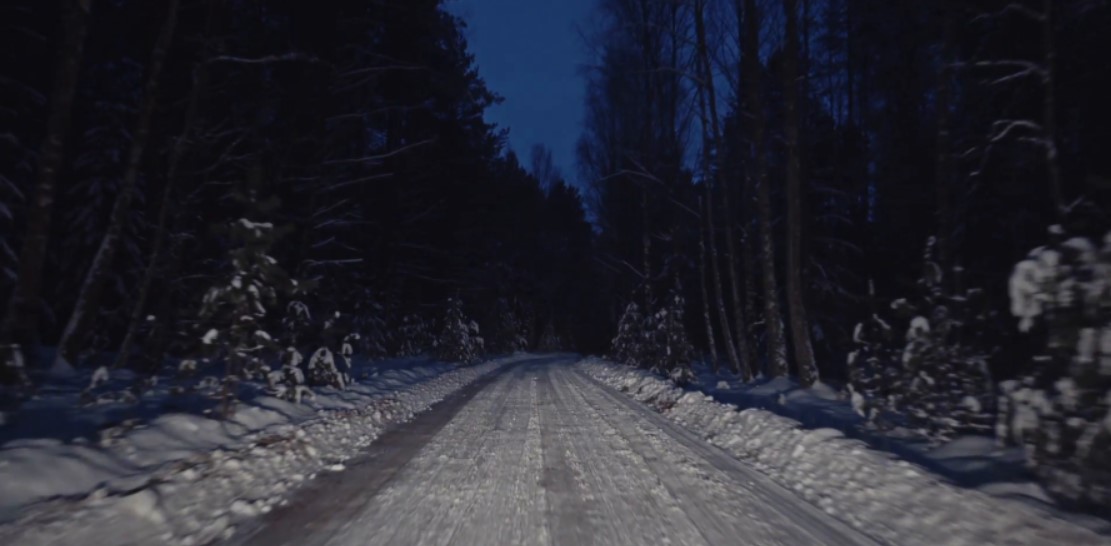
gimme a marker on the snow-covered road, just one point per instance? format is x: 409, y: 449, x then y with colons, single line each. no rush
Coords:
x: 542, y: 454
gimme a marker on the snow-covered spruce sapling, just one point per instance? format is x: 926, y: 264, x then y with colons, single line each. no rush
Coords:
x: 296, y: 322
x: 935, y: 380
x: 234, y: 309
x: 369, y: 319
x: 414, y: 337
x: 459, y: 339
x: 288, y: 382
x: 322, y: 366
x: 550, y: 340
x: 13, y: 371
x: 508, y: 336
x: 628, y: 346
x: 347, y: 350
x: 874, y: 371
x: 1061, y: 410
x: 673, y: 351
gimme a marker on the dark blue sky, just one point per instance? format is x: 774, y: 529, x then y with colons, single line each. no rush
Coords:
x: 529, y: 51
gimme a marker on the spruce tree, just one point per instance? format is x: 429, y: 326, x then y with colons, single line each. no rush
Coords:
x: 1061, y: 410
x: 673, y: 351
x: 628, y: 345
x: 935, y: 379
x: 509, y: 334
x: 459, y: 339
x: 234, y: 310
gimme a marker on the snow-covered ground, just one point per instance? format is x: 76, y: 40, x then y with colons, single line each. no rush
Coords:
x: 543, y: 455
x: 891, y: 500
x: 166, y: 477
x: 970, y: 461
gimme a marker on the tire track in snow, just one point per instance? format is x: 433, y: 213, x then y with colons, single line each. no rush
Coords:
x: 428, y: 501
x: 330, y: 504
x: 800, y: 514
x: 543, y: 455
x: 571, y: 509
x: 636, y: 507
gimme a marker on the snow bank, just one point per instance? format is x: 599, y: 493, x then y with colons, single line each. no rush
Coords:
x: 970, y: 460
x: 185, y: 479
x: 889, y: 499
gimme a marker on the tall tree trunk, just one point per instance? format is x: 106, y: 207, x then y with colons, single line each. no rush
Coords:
x: 1049, y: 109
x: 649, y: 147
x: 708, y: 98
x: 944, y: 170
x: 88, y: 300
x: 777, y: 347
x: 800, y: 326
x: 747, y: 242
x: 711, y: 342
x: 709, y: 180
x: 719, y: 292
x: 740, y: 311
x: 20, y: 323
x: 740, y: 323
x: 646, y: 247
x: 750, y: 292
x: 850, y: 66
x: 162, y: 228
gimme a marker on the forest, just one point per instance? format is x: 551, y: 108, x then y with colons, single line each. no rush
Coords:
x: 905, y: 201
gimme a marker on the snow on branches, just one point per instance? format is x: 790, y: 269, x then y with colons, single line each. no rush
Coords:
x: 935, y: 379
x: 233, y: 310
x: 414, y: 336
x: 509, y: 332
x: 323, y: 368
x: 550, y: 340
x: 459, y: 339
x: 1061, y: 410
x: 628, y: 346
x: 657, y: 341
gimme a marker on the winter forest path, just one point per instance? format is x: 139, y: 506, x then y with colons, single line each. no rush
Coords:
x: 542, y: 454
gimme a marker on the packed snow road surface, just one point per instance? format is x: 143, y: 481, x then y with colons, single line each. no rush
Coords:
x: 542, y: 454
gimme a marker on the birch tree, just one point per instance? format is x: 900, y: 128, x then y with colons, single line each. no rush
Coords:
x: 752, y: 74
x: 736, y: 344
x: 800, y: 326
x: 20, y: 322
x: 88, y: 301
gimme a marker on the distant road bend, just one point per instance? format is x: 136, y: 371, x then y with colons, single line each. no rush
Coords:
x: 541, y: 454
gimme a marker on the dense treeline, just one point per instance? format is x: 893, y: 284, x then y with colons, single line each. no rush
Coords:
x: 825, y: 143
x: 787, y: 161
x: 348, y: 135
x: 825, y: 189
